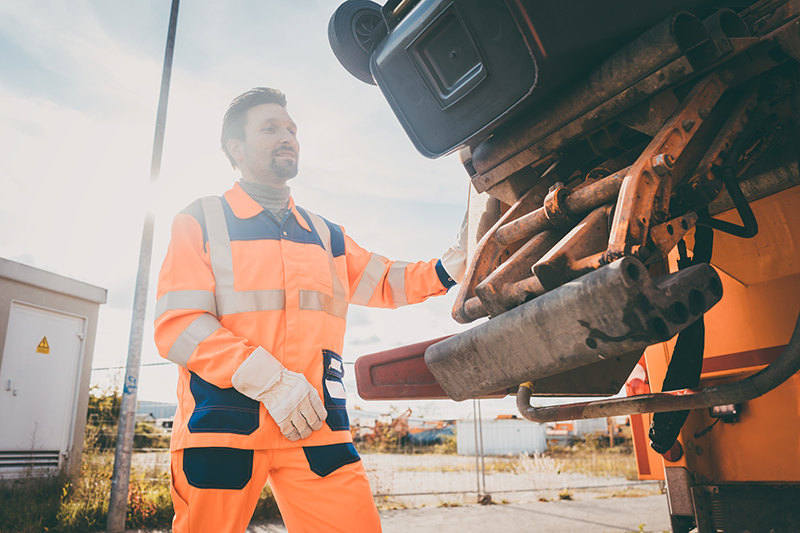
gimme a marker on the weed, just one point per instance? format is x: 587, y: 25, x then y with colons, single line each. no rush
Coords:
x: 565, y: 494
x: 629, y: 493
x: 266, y: 507
x: 449, y: 504
x: 385, y: 503
x: 608, y: 462
x: 30, y: 505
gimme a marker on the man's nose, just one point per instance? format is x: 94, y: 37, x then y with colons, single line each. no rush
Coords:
x: 288, y: 138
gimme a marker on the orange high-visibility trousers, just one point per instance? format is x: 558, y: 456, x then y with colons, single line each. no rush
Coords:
x: 318, y: 489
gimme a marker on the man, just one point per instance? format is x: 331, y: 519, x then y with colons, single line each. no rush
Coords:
x: 252, y: 299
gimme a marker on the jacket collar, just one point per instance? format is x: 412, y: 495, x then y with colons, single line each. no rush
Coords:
x: 245, y: 207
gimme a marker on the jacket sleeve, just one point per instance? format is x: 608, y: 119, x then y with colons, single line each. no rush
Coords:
x: 375, y: 281
x: 187, y: 331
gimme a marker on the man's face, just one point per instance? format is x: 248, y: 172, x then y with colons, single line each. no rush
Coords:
x: 270, y: 152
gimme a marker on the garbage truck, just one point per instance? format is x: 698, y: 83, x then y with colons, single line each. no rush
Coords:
x: 634, y: 225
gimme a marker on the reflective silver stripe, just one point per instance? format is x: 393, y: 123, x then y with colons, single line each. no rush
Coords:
x: 319, y: 301
x: 251, y: 301
x: 336, y: 306
x: 369, y: 280
x: 219, y: 244
x: 202, y: 300
x: 186, y: 343
x: 397, y: 282
x: 229, y: 301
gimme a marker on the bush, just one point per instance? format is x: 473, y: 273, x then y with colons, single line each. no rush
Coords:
x: 30, y: 505
x: 58, y: 505
x: 267, y: 507
x: 102, y: 420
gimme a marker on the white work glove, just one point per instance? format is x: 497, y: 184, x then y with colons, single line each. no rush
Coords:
x: 454, y: 259
x: 290, y: 399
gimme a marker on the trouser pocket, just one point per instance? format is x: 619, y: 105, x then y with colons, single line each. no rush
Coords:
x: 333, y: 389
x: 218, y: 468
x: 323, y: 460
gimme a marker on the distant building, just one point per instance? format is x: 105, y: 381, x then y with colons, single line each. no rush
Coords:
x: 156, y: 409
x: 507, y: 436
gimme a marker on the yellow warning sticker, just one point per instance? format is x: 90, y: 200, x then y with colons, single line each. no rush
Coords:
x: 43, y: 347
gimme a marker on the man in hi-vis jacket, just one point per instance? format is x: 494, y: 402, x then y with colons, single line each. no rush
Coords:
x: 252, y: 300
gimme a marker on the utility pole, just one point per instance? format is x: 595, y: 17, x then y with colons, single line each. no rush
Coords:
x: 118, y: 503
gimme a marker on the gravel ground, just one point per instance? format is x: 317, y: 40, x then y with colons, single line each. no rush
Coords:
x: 438, y: 493
x: 416, y: 480
x: 593, y: 515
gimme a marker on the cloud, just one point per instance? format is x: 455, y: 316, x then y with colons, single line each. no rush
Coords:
x: 77, y: 110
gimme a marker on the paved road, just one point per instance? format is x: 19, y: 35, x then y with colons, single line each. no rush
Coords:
x: 604, y: 515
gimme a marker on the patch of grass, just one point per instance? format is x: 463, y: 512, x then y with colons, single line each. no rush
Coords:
x: 385, y: 503
x: 267, y: 507
x: 630, y: 493
x: 565, y: 494
x: 609, y: 462
x: 448, y: 504
x: 60, y: 506
x: 462, y: 467
x: 30, y: 506
x: 84, y: 503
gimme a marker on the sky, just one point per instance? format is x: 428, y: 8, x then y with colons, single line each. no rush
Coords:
x: 79, y: 87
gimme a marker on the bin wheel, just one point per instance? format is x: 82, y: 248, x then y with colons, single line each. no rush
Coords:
x: 350, y: 33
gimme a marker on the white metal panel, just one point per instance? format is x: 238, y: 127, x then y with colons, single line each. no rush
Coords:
x: 591, y: 425
x: 502, y: 437
x: 38, y: 386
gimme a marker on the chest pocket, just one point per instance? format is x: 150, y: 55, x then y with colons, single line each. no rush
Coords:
x: 338, y: 301
x: 333, y: 389
x: 319, y: 265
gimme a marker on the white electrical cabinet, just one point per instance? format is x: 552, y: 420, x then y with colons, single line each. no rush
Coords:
x: 39, y: 376
x: 47, y: 328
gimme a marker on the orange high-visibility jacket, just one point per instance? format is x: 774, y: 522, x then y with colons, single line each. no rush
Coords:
x: 235, y: 278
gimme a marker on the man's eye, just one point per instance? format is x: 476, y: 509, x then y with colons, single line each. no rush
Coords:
x: 268, y: 130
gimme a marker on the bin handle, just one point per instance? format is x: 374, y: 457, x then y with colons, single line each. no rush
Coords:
x: 784, y: 367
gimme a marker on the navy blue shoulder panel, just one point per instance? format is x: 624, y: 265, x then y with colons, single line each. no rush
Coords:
x: 195, y: 210
x: 259, y: 227
x: 337, y: 238
x: 337, y: 235
x: 262, y: 227
x: 301, y: 235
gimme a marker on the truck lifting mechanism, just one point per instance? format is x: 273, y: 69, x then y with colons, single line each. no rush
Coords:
x: 621, y: 155
x: 634, y: 221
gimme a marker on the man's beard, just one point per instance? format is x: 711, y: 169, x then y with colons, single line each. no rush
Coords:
x: 286, y: 168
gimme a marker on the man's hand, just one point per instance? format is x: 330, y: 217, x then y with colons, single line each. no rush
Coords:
x: 294, y: 405
x: 290, y: 399
x: 454, y: 259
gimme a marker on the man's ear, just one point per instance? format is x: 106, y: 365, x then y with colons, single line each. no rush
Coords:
x: 235, y: 148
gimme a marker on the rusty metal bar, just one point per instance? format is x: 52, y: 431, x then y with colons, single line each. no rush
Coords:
x: 784, y: 367
x: 576, y: 203
x: 651, y: 174
x: 494, y: 290
x: 589, y: 237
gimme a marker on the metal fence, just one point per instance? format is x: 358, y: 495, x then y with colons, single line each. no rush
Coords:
x: 496, y: 460
x: 478, y: 473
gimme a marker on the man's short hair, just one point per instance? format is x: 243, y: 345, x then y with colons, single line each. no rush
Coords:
x: 236, y: 116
